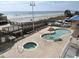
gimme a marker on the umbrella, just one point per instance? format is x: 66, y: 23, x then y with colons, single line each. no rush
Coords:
x: 75, y: 34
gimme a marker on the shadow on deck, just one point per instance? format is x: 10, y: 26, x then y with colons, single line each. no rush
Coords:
x: 6, y: 46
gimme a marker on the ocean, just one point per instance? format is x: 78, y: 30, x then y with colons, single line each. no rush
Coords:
x: 35, y: 13
x: 22, y: 16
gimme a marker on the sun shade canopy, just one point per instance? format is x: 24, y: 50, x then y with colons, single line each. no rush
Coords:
x: 75, y: 18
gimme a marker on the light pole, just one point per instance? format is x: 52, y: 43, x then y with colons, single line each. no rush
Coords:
x: 32, y: 4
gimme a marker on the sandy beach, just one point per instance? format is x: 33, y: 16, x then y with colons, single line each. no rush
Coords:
x: 28, y: 19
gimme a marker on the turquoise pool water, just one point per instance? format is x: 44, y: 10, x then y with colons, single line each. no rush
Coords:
x: 30, y: 45
x: 56, y: 35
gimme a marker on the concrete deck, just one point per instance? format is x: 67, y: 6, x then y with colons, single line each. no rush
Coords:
x: 44, y: 49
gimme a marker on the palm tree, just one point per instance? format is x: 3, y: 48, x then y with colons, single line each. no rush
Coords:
x: 68, y: 13
x: 1, y: 14
x: 76, y: 13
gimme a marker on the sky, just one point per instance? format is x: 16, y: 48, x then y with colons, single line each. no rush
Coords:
x: 39, y: 5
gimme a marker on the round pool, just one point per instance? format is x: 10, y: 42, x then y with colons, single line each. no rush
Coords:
x: 56, y: 36
x: 30, y: 45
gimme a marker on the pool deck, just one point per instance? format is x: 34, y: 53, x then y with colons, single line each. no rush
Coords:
x: 44, y: 49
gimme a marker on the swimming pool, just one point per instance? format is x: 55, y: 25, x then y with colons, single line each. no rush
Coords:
x: 30, y: 45
x: 58, y: 33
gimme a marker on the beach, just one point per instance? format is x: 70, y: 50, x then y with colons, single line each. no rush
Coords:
x: 26, y: 16
x: 29, y: 19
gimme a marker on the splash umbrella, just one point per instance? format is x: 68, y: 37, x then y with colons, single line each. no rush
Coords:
x: 51, y: 29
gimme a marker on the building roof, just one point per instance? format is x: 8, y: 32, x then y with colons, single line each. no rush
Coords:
x: 67, y: 20
x: 74, y: 18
